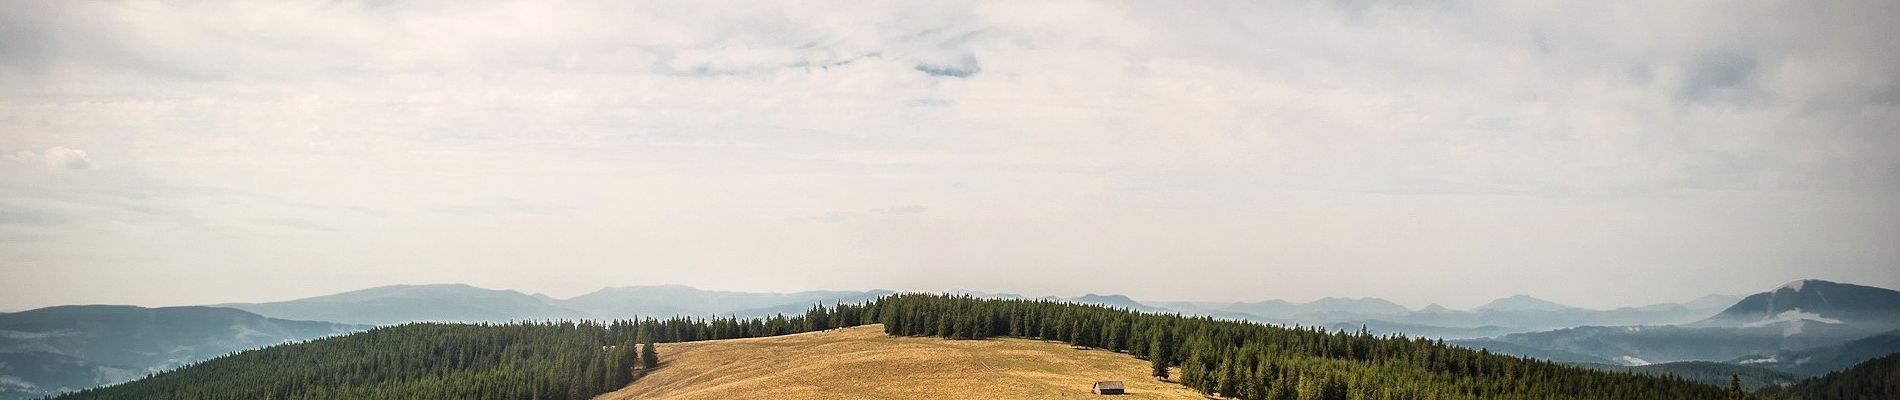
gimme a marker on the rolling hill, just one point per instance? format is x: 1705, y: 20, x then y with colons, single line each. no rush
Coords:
x: 388, y: 305
x: 1875, y: 379
x: 1709, y: 372
x: 1804, y: 328
x: 58, y: 349
x: 1820, y: 360
x: 865, y: 363
x: 1810, y: 305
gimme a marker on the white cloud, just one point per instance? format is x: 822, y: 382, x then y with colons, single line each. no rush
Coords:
x: 1035, y: 133
x: 56, y: 158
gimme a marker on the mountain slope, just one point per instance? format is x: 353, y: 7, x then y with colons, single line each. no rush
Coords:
x: 1330, y: 309
x: 58, y: 347
x: 1116, y: 301
x: 520, y: 360
x: 1521, y: 303
x: 1639, y: 345
x: 39, y: 374
x: 863, y: 362
x: 1804, y: 328
x: 1820, y: 360
x: 1527, y: 316
x: 397, y: 304
x: 1876, y: 379
x: 1426, y: 331
x: 411, y: 361
x: 1813, y: 302
x: 1708, y: 372
x: 1513, y: 314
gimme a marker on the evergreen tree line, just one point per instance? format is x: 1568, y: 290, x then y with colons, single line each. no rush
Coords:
x: 1875, y: 379
x: 1246, y: 360
x: 521, y: 360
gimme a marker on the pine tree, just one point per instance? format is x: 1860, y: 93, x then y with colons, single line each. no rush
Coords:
x: 1158, y: 353
x: 649, y: 358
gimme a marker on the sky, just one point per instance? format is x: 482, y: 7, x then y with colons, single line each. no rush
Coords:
x: 1593, y: 153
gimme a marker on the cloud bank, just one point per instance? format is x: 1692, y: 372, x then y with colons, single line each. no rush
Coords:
x: 1286, y: 147
x: 56, y: 158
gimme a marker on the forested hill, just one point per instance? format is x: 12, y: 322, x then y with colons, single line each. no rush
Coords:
x: 579, y: 360
x: 1254, y: 361
x: 564, y: 360
x: 1875, y: 379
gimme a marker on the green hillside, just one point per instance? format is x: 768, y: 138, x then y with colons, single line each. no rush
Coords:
x: 1875, y: 379
x: 564, y: 360
x: 1709, y: 372
x: 580, y: 360
x: 1254, y: 361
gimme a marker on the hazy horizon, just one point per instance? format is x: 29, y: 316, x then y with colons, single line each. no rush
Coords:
x: 1410, y: 305
x: 1596, y: 155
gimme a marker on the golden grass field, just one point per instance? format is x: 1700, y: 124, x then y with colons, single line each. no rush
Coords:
x: 864, y: 363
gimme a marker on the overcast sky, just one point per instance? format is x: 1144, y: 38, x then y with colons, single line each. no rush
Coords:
x: 1592, y: 153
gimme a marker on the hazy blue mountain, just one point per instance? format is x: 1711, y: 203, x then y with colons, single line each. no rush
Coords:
x: 55, y: 348
x: 1820, y: 360
x: 1498, y: 347
x: 1640, y: 345
x: 1800, y: 305
x: 670, y: 300
x: 1522, y: 303
x: 1712, y: 302
x: 1439, y: 332
x: 986, y: 295
x: 1805, y: 327
x: 799, y: 306
x: 1878, y: 378
x: 1118, y: 301
x: 1708, y: 372
x: 1513, y: 314
x: 408, y: 303
x: 1190, y: 307
x: 1522, y: 313
x: 1325, y: 310
x: 39, y: 374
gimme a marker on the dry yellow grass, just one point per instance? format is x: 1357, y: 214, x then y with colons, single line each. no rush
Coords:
x: 864, y: 363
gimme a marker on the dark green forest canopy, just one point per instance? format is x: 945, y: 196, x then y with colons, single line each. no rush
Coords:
x: 1875, y: 379
x: 573, y: 360
x: 528, y: 360
x: 1255, y: 361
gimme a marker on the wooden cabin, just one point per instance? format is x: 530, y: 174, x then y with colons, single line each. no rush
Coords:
x: 1108, y: 387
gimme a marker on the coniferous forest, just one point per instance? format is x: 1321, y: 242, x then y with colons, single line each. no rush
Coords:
x: 1254, y: 361
x: 1875, y: 379
x: 574, y: 360
x: 524, y: 360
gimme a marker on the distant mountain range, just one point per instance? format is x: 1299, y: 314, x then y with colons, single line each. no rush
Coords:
x: 670, y: 300
x: 388, y: 305
x: 1514, y: 314
x: 57, y: 349
x: 1800, y: 329
x: 1708, y: 372
x: 1820, y: 360
x: 1805, y: 304
x: 1803, y: 328
x: 463, y: 303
